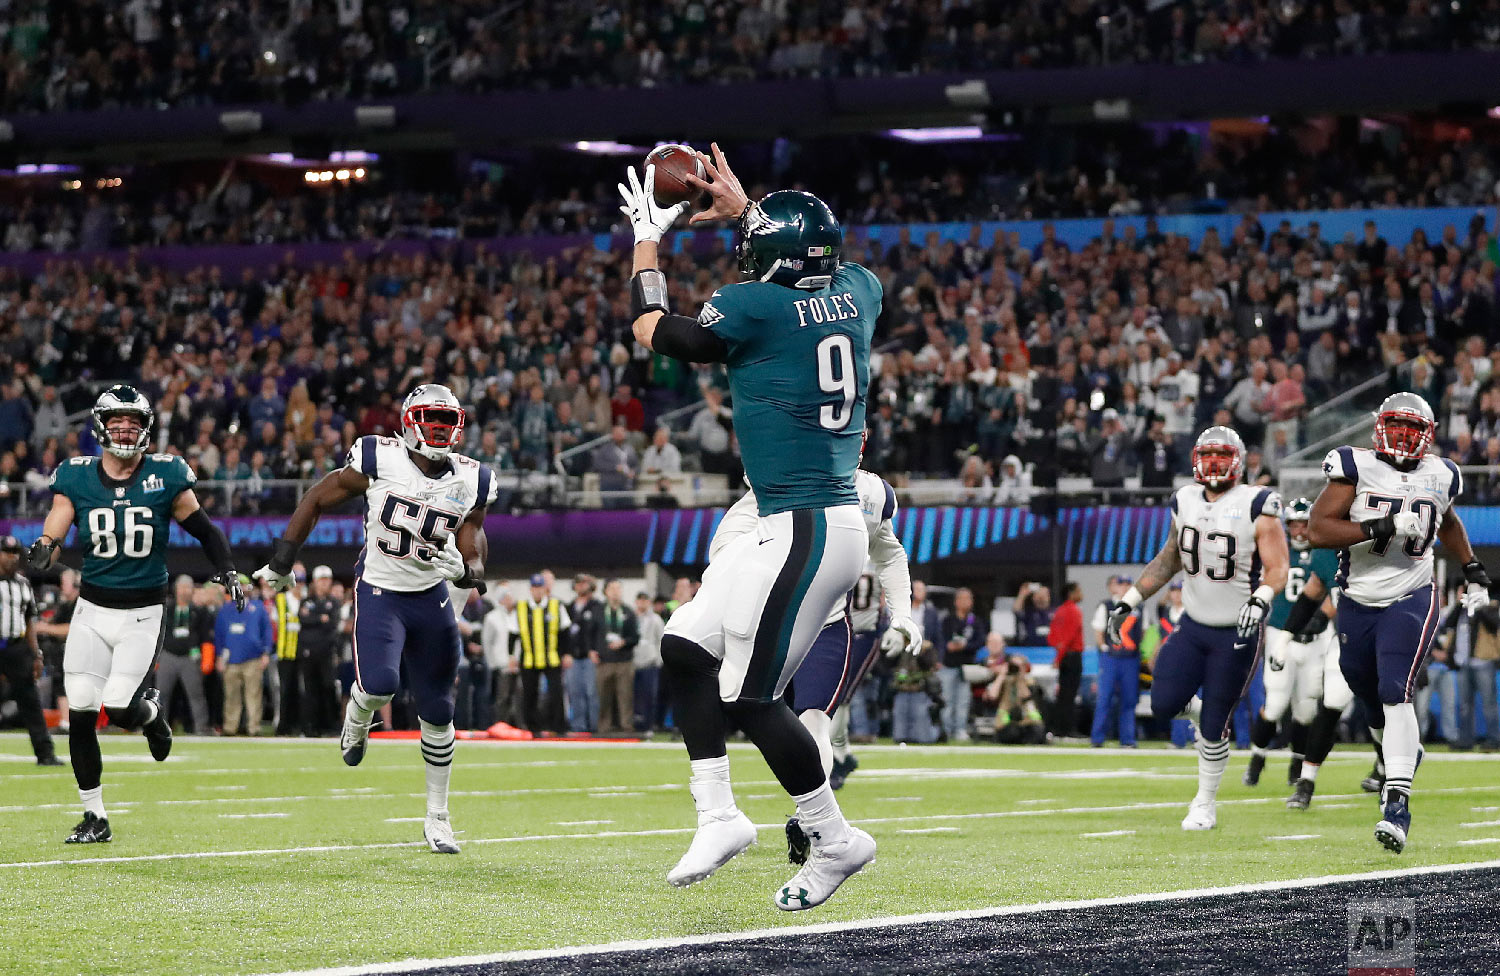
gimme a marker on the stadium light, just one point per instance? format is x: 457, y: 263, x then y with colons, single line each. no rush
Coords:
x: 608, y: 147
x: 939, y: 133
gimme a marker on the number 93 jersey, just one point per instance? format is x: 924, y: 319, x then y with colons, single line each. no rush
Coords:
x: 1378, y: 573
x: 124, y: 525
x: 409, y: 515
x: 1216, y: 540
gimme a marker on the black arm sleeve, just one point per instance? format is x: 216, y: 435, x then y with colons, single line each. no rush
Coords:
x: 1302, y: 613
x: 683, y: 338
x: 211, y: 538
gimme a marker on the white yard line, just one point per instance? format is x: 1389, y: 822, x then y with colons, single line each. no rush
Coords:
x: 610, y: 834
x: 1479, y: 840
x: 1109, y: 833
x: 582, y: 823
x: 823, y: 928
x: 929, y: 830
x: 1294, y: 836
x: 252, y: 816
x: 1480, y: 823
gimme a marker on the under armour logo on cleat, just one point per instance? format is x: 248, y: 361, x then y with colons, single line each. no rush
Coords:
x: 814, y: 835
x: 799, y: 895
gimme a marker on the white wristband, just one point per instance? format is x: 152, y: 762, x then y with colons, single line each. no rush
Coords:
x: 1132, y: 598
x: 1265, y: 594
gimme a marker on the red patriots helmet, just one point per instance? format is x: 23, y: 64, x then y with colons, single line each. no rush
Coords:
x: 432, y: 421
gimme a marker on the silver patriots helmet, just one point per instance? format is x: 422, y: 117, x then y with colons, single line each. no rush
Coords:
x: 1218, y: 457
x: 432, y: 421
x: 122, y: 401
x: 1404, y: 428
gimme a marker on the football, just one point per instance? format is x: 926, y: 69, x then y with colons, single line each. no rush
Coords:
x: 672, y: 163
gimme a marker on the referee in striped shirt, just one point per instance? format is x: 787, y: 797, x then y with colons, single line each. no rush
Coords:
x: 20, y: 658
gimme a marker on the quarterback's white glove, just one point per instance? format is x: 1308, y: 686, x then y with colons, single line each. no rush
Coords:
x: 1253, y: 612
x: 279, y: 582
x: 647, y: 220
x: 1409, y: 525
x: 1476, y: 588
x: 903, y: 636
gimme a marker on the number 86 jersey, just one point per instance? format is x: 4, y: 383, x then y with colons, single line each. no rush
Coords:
x: 1216, y: 540
x: 410, y: 515
x: 1377, y: 573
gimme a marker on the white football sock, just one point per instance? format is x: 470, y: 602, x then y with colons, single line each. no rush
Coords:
x: 820, y: 817
x: 1402, y: 739
x: 93, y: 801
x: 839, y: 736
x: 437, y: 753
x: 363, y: 706
x: 1213, y: 758
x: 710, y: 787
x: 820, y: 725
x: 1310, y: 771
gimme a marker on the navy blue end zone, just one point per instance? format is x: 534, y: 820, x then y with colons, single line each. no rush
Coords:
x: 1291, y: 930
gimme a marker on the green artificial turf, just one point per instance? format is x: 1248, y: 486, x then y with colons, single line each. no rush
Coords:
x: 963, y: 827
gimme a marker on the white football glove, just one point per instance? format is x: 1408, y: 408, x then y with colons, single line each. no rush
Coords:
x: 903, y: 636
x: 1409, y: 525
x: 1476, y: 597
x: 647, y: 220
x: 279, y: 582
x: 449, y: 562
x: 1251, y: 614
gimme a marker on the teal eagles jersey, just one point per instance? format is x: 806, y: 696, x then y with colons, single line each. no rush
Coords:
x: 123, y: 527
x: 1306, y: 563
x: 799, y: 366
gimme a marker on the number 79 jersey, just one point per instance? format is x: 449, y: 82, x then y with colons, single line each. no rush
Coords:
x: 1377, y: 574
x: 1216, y: 540
x: 410, y: 515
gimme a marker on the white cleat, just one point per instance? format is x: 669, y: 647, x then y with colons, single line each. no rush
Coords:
x: 1201, y: 815
x: 718, y: 840
x: 354, y: 738
x: 826, y: 869
x: 438, y: 833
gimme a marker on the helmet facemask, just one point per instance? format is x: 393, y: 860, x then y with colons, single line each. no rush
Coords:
x: 1216, y: 465
x: 1402, y: 435
x: 436, y: 429
x: 124, y: 433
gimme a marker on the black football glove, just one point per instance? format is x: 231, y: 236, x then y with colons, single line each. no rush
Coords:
x: 1115, y: 623
x: 39, y: 556
x: 470, y: 581
x: 230, y: 581
x: 1379, y: 529
x: 1314, y: 627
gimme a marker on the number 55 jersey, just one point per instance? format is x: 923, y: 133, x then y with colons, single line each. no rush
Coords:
x: 410, y: 515
x: 1377, y: 573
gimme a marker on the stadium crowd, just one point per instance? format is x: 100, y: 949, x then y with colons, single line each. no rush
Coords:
x: 1004, y: 367
x: 83, y: 54
x: 866, y: 180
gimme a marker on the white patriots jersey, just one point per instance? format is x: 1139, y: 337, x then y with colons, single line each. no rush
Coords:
x: 409, y: 514
x: 1378, y: 574
x: 1216, y: 540
x: 877, y: 504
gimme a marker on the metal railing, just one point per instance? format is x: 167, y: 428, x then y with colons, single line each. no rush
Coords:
x: 675, y: 420
x: 1332, y: 421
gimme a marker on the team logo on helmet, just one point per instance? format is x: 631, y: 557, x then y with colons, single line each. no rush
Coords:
x: 1298, y: 510
x: 432, y: 421
x: 1404, y: 428
x: 1218, y: 457
x: 122, y: 421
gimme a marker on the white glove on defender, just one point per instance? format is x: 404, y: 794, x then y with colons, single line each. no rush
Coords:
x: 647, y: 220
x: 903, y: 636
x: 1476, y: 597
x: 449, y: 562
x: 279, y: 583
x: 1409, y: 525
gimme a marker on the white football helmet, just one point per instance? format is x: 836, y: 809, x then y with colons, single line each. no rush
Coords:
x: 432, y: 421
x: 1218, y: 458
